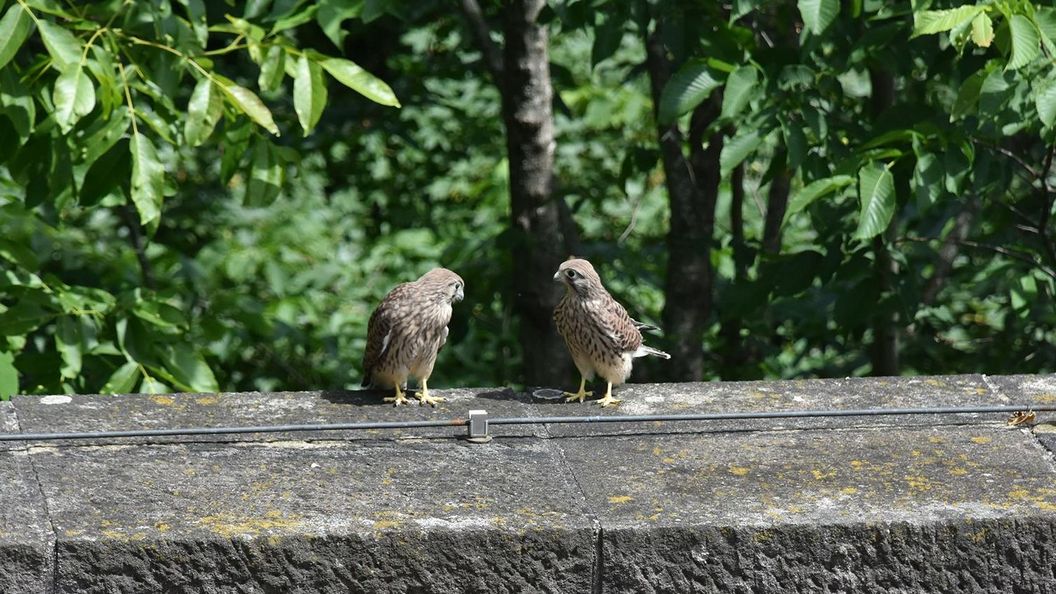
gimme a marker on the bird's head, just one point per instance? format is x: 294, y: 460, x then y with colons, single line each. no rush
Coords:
x: 579, y: 276
x: 444, y: 284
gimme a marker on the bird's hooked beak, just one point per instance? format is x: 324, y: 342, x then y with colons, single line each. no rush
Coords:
x: 557, y: 276
x: 459, y: 294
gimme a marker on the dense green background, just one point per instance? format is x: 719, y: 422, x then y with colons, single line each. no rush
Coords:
x: 155, y: 253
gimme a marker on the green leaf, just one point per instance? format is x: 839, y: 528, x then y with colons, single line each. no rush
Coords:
x: 361, y: 81
x: 65, y: 49
x: 204, y: 110
x: 162, y: 316
x: 607, y: 35
x: 1026, y: 45
x: 272, y: 69
x: 968, y: 95
x: 1046, y: 21
x: 265, y: 176
x: 102, y: 134
x: 17, y: 103
x: 982, y: 30
x: 795, y: 142
x: 68, y: 342
x: 110, y: 171
x: 806, y: 195
x: 148, y: 179
x: 248, y: 103
x: 739, y: 87
x: 686, y: 89
x: 309, y: 93
x: 8, y: 376
x: 332, y: 13
x: 929, y: 22
x: 15, y: 27
x: 927, y: 180
x: 818, y: 14
x: 738, y: 148
x: 74, y: 97
x: 1045, y: 101
x: 197, y: 16
x: 296, y: 19
x: 189, y: 369
x: 122, y: 380
x: 876, y: 190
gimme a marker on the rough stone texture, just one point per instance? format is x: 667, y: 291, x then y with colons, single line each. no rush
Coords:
x: 25, y: 547
x: 884, y: 504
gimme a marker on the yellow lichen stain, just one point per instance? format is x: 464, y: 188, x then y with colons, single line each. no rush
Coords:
x: 73, y: 532
x: 115, y: 535
x: 762, y: 536
x: 162, y: 400
x: 857, y: 464
x: 1019, y: 493
x: 935, y: 383
x: 979, y: 390
x: 657, y: 451
x: 819, y: 475
x: 229, y: 525
x: 936, y: 439
x: 207, y: 400
x: 981, y: 439
x: 739, y: 470
x: 274, y: 540
x: 1045, y: 505
x: 958, y: 471
x: 848, y: 490
x: 383, y: 524
x: 918, y: 483
x: 915, y: 453
x: 620, y: 499
x: 1045, y: 398
x: 668, y: 460
x: 978, y: 536
x: 162, y: 527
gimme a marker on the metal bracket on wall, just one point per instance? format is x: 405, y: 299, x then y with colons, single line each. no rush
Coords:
x: 478, y: 427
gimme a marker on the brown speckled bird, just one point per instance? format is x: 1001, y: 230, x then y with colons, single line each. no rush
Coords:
x: 406, y: 332
x: 600, y: 335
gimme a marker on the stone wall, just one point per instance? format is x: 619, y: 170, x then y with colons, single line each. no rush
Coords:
x: 883, y: 504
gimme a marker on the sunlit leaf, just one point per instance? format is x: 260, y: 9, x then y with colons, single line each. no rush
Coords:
x: 204, y: 110
x: 1045, y: 101
x: 927, y: 180
x: 982, y: 30
x: 15, y: 27
x: 739, y: 87
x: 64, y: 48
x: 818, y: 14
x: 876, y: 190
x: 1026, y: 45
x: 8, y: 376
x: 928, y: 22
x: 189, y: 369
x: 361, y: 81
x: 148, y: 178
x: 272, y: 69
x: 248, y: 103
x: 74, y: 97
x: 68, y: 342
x: 806, y: 195
x: 686, y: 89
x: 122, y: 380
x: 265, y: 175
x: 738, y: 148
x: 309, y: 93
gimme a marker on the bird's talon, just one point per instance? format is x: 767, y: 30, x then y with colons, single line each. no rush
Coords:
x: 397, y: 400
x: 609, y: 401
x: 425, y: 398
x: 574, y: 396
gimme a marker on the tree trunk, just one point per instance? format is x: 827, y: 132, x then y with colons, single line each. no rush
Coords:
x: 777, y: 202
x: 886, y: 327
x: 540, y: 241
x: 692, y: 188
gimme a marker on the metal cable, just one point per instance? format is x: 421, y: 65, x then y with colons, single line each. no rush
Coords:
x: 730, y: 416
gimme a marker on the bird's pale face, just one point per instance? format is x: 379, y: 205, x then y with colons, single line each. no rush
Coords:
x: 446, y: 284
x: 579, y: 276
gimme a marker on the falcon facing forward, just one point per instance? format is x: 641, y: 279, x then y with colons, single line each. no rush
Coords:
x: 600, y: 335
x: 407, y: 330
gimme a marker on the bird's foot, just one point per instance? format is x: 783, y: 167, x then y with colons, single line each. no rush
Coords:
x: 424, y: 398
x: 397, y: 400
x: 581, y: 395
x: 608, y: 400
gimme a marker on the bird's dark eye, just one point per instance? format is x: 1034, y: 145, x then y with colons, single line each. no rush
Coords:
x: 570, y: 273
x: 458, y: 286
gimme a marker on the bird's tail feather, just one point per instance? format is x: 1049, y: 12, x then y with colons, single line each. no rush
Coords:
x: 643, y: 327
x: 644, y: 351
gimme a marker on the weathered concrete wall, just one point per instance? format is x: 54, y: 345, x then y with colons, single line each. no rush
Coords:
x: 887, y: 504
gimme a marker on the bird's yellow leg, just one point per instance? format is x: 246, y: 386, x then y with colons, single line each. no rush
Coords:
x: 399, y: 398
x: 582, y: 394
x: 608, y: 399
x: 425, y: 398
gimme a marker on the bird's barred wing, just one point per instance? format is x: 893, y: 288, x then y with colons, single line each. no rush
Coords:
x: 379, y: 332
x: 621, y: 327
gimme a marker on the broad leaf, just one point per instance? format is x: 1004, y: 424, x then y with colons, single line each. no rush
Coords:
x: 927, y: 180
x: 8, y: 376
x: 148, y: 178
x: 982, y: 30
x: 739, y: 87
x: 74, y: 97
x: 1026, y: 45
x: 686, y: 89
x: 68, y: 342
x: 968, y: 95
x: 64, y: 48
x: 122, y: 380
x: 332, y: 13
x: 876, y: 190
x: 806, y: 195
x: 248, y: 103
x: 309, y: 93
x: 265, y: 175
x: 1045, y: 101
x: 15, y: 26
x: 272, y: 69
x: 738, y: 148
x: 189, y: 369
x: 929, y: 22
x: 818, y: 14
x: 204, y: 110
x: 361, y: 81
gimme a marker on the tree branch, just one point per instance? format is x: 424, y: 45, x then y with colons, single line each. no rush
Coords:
x: 482, y: 34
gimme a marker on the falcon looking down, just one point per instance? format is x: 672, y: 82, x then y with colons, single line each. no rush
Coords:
x: 406, y: 332
x: 599, y: 334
